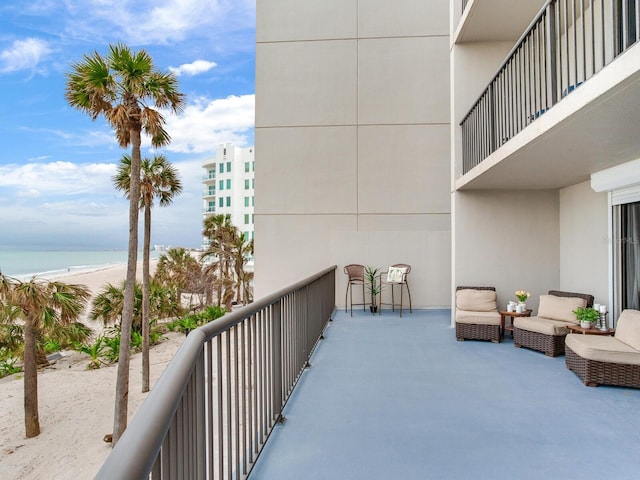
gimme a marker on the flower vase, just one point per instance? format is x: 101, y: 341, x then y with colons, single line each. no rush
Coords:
x: 522, y: 307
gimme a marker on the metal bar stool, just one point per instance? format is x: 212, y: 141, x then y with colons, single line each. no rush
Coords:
x: 355, y: 276
x: 396, y: 275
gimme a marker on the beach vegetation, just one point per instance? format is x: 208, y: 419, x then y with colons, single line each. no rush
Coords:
x: 51, y: 346
x: 108, y: 304
x: 128, y: 90
x: 158, y: 180
x: 225, y: 261
x: 155, y: 336
x: 39, y: 308
x: 136, y: 344
x: 94, y: 350
x: 181, y: 273
x: 8, y: 366
x: 197, y: 319
x: 112, y: 344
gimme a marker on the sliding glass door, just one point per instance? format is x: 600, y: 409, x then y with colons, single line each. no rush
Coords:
x: 627, y: 255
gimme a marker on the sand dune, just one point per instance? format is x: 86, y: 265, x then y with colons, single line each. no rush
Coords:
x: 75, y: 406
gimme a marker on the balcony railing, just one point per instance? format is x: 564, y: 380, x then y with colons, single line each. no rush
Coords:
x: 213, y: 408
x: 567, y: 43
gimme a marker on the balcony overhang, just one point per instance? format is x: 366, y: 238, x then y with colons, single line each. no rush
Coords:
x: 479, y: 22
x: 594, y: 128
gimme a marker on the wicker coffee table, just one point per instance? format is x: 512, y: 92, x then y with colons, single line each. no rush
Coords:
x: 509, y: 328
x: 591, y: 331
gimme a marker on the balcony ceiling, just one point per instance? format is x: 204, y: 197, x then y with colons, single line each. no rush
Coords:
x: 565, y: 149
x: 482, y: 24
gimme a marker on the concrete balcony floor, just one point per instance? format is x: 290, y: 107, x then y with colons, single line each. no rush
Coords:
x: 389, y: 397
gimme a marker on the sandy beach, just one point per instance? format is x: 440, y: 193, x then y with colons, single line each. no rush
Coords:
x: 75, y: 405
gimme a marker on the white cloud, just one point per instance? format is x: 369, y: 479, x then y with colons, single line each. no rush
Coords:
x: 156, y: 21
x: 24, y: 55
x: 206, y: 123
x: 193, y: 68
x: 58, y: 178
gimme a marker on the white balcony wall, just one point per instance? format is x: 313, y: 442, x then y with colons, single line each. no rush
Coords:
x: 584, y: 241
x: 352, y: 134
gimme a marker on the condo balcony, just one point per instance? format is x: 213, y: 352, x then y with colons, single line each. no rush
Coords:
x: 291, y: 387
x: 561, y: 105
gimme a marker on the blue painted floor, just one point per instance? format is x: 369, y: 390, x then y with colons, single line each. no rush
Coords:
x: 390, y: 398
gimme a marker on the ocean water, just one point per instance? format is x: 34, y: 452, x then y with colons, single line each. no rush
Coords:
x: 23, y: 264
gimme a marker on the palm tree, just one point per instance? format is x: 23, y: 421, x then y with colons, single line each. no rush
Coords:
x: 41, y: 307
x: 127, y: 89
x: 108, y: 304
x: 242, y: 249
x: 179, y: 271
x: 158, y: 179
x: 222, y: 235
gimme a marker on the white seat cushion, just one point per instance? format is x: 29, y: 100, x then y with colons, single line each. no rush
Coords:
x: 473, y: 300
x: 477, y: 318
x: 560, y: 308
x: 546, y: 326
x: 602, y: 349
x: 628, y: 328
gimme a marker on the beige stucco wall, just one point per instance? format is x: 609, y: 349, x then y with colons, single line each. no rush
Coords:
x: 352, y: 138
x: 584, y: 241
x: 508, y: 239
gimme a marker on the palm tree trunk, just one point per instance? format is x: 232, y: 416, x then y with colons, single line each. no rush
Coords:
x: 145, y: 298
x: 124, y: 358
x: 31, y: 419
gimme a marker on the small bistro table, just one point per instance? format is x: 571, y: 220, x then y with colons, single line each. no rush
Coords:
x: 591, y: 331
x: 509, y: 328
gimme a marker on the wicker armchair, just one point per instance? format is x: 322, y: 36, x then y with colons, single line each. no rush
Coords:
x: 603, y: 360
x: 546, y: 332
x: 477, y: 316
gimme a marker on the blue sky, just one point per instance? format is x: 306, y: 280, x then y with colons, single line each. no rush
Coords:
x: 56, y: 163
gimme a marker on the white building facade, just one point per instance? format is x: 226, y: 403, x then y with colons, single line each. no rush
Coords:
x: 484, y: 142
x: 229, y: 185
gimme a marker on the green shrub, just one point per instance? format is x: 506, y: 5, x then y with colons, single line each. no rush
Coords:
x: 136, y: 341
x: 95, y: 351
x: 112, y: 345
x: 8, y: 366
x: 51, y: 346
x: 212, y: 313
x: 154, y: 337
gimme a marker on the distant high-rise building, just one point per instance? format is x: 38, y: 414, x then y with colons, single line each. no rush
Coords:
x: 229, y: 186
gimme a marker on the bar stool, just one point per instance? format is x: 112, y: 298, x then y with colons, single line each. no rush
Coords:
x: 396, y: 275
x: 355, y: 277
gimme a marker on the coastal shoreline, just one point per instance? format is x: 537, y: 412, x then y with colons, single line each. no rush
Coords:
x: 75, y: 404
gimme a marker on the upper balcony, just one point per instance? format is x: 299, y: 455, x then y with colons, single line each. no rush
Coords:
x: 562, y: 105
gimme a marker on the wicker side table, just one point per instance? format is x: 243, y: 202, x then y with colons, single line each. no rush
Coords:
x: 509, y: 328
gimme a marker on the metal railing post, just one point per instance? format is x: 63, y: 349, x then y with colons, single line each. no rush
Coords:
x: 550, y: 41
x: 277, y: 360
